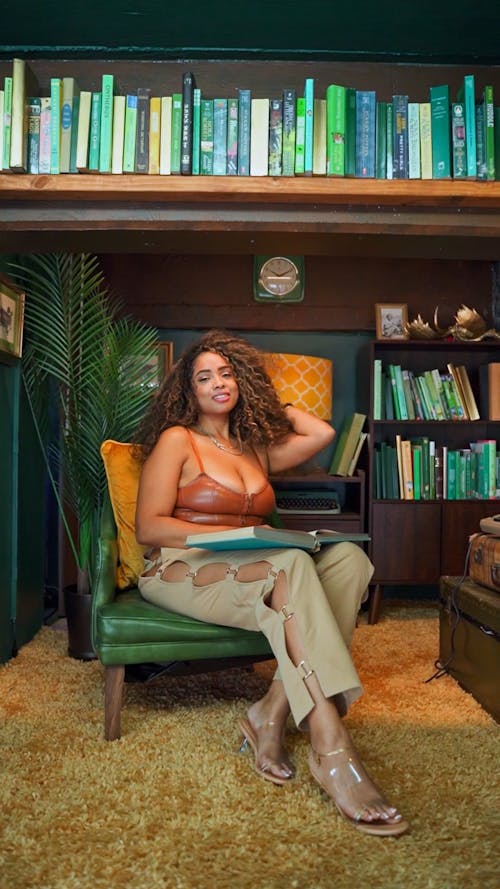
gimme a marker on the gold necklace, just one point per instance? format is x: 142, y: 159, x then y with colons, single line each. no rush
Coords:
x: 222, y: 447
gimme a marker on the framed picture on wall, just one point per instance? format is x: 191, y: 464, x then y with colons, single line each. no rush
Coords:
x: 158, y: 366
x: 391, y: 320
x: 11, y: 318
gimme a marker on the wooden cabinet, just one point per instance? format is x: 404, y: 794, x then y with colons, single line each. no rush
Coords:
x: 415, y: 542
x: 349, y: 493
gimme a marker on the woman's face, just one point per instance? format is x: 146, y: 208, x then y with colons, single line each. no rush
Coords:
x: 214, y: 384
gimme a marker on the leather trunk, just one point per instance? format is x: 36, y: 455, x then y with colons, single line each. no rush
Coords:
x: 469, y: 639
x: 484, y: 561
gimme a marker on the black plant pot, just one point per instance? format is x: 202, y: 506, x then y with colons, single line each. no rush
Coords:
x: 79, y: 617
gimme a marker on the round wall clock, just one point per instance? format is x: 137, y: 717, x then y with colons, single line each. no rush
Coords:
x: 279, y: 278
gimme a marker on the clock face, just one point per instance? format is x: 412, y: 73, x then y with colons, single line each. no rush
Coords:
x: 279, y: 278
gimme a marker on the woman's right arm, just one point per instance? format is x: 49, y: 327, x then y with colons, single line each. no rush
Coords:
x: 160, y: 478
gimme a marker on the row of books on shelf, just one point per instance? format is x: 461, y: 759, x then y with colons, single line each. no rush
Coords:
x: 348, y: 445
x: 418, y: 469
x: 345, y: 132
x: 434, y: 394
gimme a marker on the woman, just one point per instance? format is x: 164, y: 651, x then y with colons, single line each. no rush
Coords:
x: 213, y: 435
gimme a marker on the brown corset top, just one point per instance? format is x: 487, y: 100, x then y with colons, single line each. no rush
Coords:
x: 206, y: 501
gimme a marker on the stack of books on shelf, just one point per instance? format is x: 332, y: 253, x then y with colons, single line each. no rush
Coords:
x: 419, y: 469
x: 348, y: 445
x: 402, y: 394
x: 341, y: 132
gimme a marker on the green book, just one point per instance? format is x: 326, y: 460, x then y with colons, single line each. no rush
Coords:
x: 440, y: 131
x: 466, y: 95
x: 451, y: 474
x: 129, y: 138
x: 381, y: 141
x: 489, y: 132
x: 24, y: 84
x: 264, y: 537
x: 480, y: 143
x: 33, y: 141
x: 350, y: 133
x: 300, y: 135
x: 175, y: 151
x: 232, y: 138
x: 244, y: 118
x: 335, y: 129
x: 416, y: 453
x: 289, y: 132
x: 346, y: 443
x: 70, y: 92
x: 55, y: 124
x: 458, y: 147
x: 106, y: 134
x: 196, y: 131
x: 7, y: 116
x: 220, y: 137
x: 73, y: 145
x: 207, y: 137
x: 425, y: 466
x: 496, y: 119
x: 95, y: 132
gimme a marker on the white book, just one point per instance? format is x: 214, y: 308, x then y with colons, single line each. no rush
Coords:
x: 118, y: 134
x: 82, y: 145
x: 414, y: 140
x: 259, y: 137
x: 265, y: 537
x: 45, y: 129
x: 165, y: 135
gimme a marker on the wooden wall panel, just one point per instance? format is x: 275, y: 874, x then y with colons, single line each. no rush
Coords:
x: 197, y: 292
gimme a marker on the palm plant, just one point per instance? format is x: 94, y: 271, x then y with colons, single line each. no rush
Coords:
x: 85, y: 373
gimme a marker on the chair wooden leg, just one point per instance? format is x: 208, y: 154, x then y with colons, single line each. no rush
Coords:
x: 374, y: 604
x: 113, y: 693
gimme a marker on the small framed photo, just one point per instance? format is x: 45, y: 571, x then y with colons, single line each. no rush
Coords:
x: 158, y: 366
x: 391, y: 320
x: 11, y: 318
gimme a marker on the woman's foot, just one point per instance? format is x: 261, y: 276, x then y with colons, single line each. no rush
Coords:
x: 264, y: 730
x: 343, y: 777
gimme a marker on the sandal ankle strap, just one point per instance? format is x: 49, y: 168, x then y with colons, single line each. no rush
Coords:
x: 319, y: 756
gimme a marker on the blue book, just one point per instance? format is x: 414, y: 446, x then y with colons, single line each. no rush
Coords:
x: 365, y: 133
x: 308, y: 126
x: 264, y: 537
x: 244, y: 118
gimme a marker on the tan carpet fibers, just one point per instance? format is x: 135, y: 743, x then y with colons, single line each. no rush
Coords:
x: 173, y: 805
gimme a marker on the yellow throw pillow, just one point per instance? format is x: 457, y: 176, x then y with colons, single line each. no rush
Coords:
x: 123, y: 472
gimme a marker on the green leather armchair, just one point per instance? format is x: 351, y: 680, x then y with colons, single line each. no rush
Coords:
x: 128, y: 630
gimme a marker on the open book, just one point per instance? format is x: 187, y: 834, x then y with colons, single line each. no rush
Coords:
x: 262, y: 536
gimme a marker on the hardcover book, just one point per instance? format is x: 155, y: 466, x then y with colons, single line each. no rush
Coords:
x: 175, y: 153
x: 346, y: 443
x: 289, y: 131
x: 381, y: 141
x: 335, y: 128
x: 7, y: 122
x: 220, y: 137
x: 73, y: 145
x: 300, y: 135
x: 440, y: 131
x: 118, y: 134
x: 70, y: 94
x: 265, y: 537
x: 207, y: 137
x: 195, y: 166
x: 142, y: 133
x: 154, y: 135
x: 2, y: 97
x: 275, y: 136
x: 413, y: 140
x: 44, y: 156
x: 165, y: 135
x: 232, y: 138
x: 55, y: 124
x: 259, y: 137
x: 106, y: 132
x: 390, y: 141
x: 350, y: 132
x: 425, y: 141
x: 308, y: 125
x: 130, y: 136
x: 24, y: 85
x: 33, y: 147
x: 489, y: 132
x: 319, y: 141
x: 480, y: 143
x: 244, y: 124
x: 95, y: 132
x: 467, y: 96
x: 400, y: 137
x: 365, y: 133
x: 188, y: 86
x: 458, y: 147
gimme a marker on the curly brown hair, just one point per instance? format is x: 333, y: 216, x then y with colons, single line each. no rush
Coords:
x: 258, y: 418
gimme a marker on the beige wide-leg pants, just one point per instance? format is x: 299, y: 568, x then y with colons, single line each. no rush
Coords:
x: 324, y: 593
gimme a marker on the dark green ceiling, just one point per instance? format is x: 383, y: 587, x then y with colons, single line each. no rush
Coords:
x: 461, y: 31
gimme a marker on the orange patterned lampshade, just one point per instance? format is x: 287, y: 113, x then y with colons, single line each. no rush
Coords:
x: 303, y: 380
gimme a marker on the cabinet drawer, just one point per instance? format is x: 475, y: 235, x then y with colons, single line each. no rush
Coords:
x: 299, y: 521
x: 406, y: 542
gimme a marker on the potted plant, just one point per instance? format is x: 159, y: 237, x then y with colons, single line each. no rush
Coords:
x: 88, y: 375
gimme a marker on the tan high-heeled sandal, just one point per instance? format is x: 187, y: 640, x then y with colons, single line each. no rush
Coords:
x: 250, y: 739
x: 384, y: 827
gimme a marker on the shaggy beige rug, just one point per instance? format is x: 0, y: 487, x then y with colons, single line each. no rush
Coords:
x: 173, y: 805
